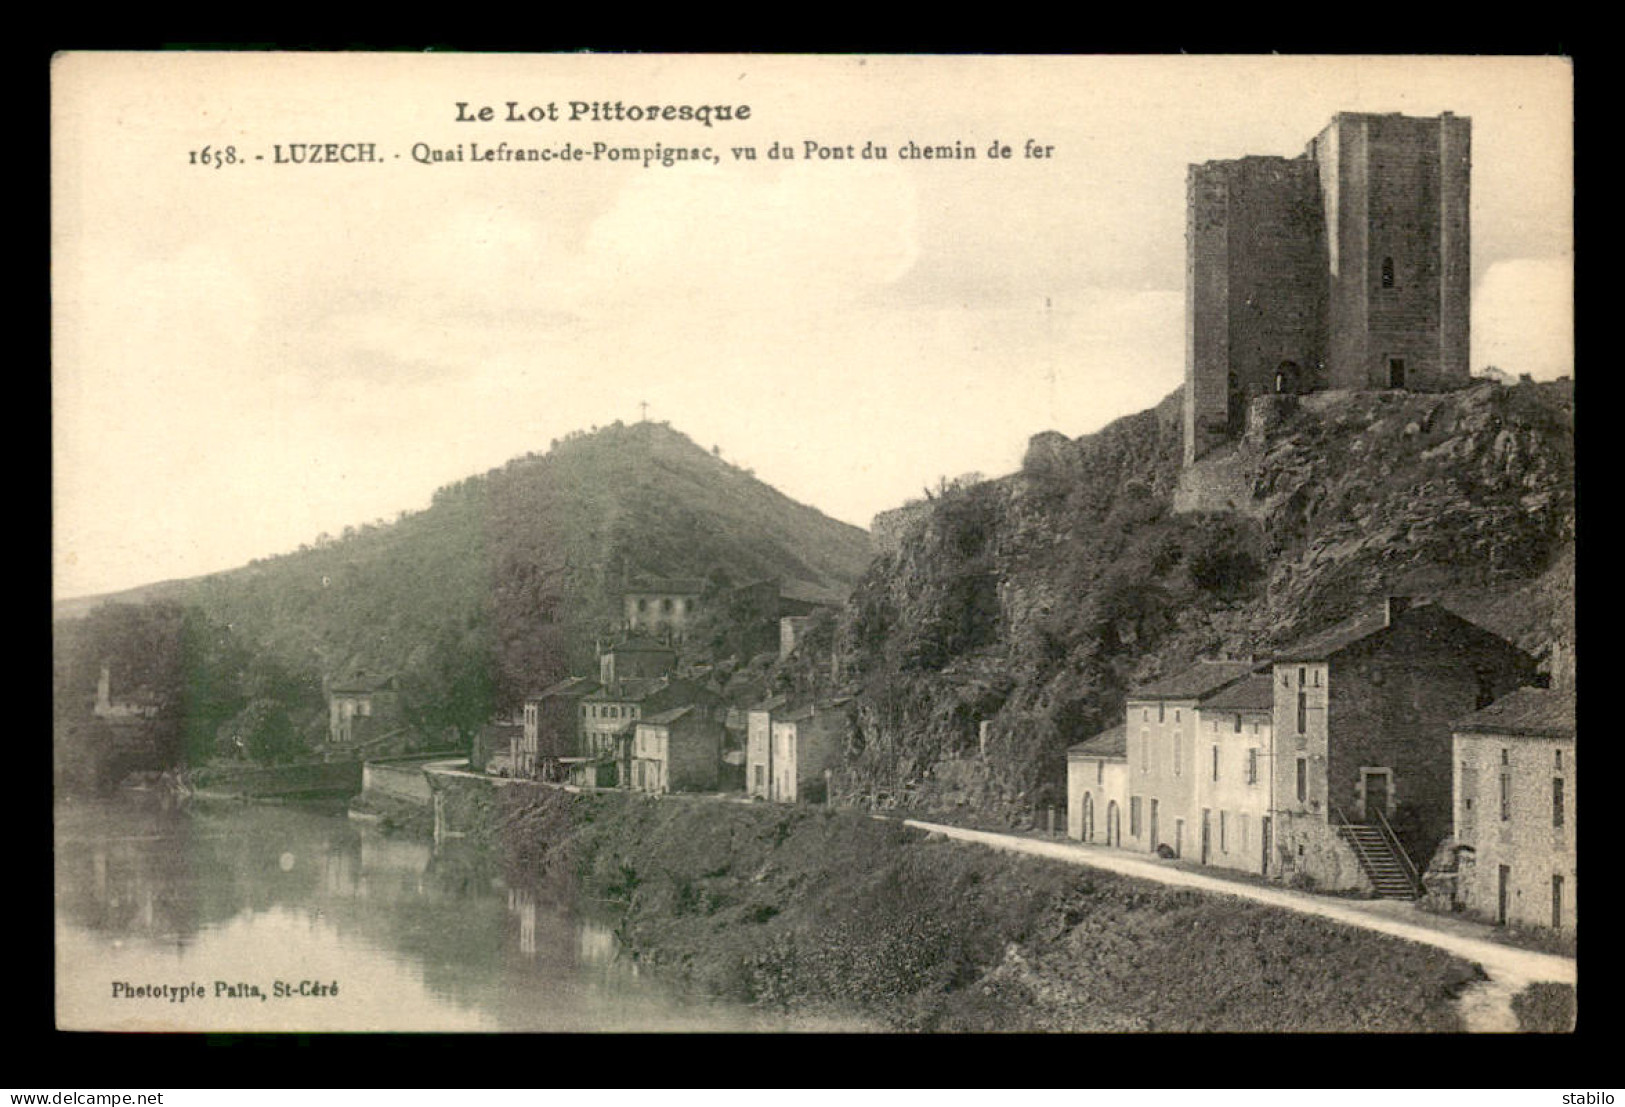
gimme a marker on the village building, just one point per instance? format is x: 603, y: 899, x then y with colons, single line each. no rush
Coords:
x: 679, y: 750
x: 1161, y: 747
x: 1364, y: 717
x: 1514, y: 810
x: 137, y: 706
x: 362, y: 708
x: 759, y: 746
x: 552, y: 727
x: 636, y: 655
x: 662, y: 607
x: 804, y: 743
x: 1097, y: 787
x: 1346, y: 267
x: 1235, y: 778
x: 608, y: 715
x: 1330, y: 763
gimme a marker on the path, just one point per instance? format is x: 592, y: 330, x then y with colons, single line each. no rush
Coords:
x: 1486, y: 1007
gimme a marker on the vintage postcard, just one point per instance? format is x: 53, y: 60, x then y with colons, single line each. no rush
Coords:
x: 874, y: 543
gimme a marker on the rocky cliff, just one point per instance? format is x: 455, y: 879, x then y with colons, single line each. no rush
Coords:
x: 1033, y: 602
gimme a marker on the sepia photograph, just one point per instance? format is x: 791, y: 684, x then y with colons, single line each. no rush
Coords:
x: 916, y: 544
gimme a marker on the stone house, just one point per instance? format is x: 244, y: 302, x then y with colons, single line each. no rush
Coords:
x: 635, y: 655
x: 1161, y: 749
x: 803, y: 743
x: 1097, y: 787
x: 552, y: 726
x: 1514, y: 810
x: 1235, y: 776
x: 361, y: 708
x: 1363, y: 724
x: 679, y: 750
x: 663, y: 607
x: 609, y: 714
x: 759, y: 746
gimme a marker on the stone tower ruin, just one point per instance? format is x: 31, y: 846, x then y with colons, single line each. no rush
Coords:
x: 1346, y: 267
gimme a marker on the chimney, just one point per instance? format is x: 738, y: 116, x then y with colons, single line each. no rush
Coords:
x: 1396, y: 606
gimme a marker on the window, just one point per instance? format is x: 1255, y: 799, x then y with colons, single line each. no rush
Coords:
x: 1145, y: 714
x: 1176, y: 714
x: 1238, y: 724
x: 643, y: 605
x: 1303, y: 712
x: 1100, y: 772
x: 1558, y: 762
x: 1557, y: 801
x: 1317, y: 678
x: 1286, y: 681
x: 1252, y: 766
x: 1162, y: 712
x: 1506, y: 795
x: 665, y: 605
x: 1303, y: 779
x: 1302, y: 678
x: 1179, y: 757
x: 1134, y: 816
x: 1145, y: 750
x: 1387, y: 272
x: 1215, y: 762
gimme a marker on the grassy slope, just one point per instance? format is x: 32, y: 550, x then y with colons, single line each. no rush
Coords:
x: 837, y: 913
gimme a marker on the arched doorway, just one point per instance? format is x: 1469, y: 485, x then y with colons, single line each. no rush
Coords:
x: 1287, y: 378
x: 1088, y: 817
x: 1114, y: 825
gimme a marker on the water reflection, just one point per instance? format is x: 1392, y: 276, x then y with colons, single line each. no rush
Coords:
x: 239, y: 899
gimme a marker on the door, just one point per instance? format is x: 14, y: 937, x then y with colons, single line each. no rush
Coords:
x: 1114, y: 825
x: 1207, y: 833
x: 1396, y: 372
x: 1088, y: 817
x: 1264, y: 835
x: 1376, y: 795
x: 1503, y: 879
x: 1179, y: 837
x: 1153, y: 826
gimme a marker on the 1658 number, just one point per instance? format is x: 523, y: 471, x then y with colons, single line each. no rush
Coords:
x: 226, y: 155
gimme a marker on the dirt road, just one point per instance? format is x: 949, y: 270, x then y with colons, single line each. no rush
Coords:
x: 1486, y: 1007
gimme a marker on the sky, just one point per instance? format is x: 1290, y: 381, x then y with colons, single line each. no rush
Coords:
x: 250, y: 355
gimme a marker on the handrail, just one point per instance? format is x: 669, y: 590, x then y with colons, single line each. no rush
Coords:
x: 1394, y: 844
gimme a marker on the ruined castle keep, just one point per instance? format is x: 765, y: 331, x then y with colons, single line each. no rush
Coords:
x: 1346, y: 267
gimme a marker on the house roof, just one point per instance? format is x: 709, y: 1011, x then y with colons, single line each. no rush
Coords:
x: 1256, y: 692
x: 1195, y: 682
x: 772, y: 703
x: 666, y: 717
x: 1335, y: 639
x: 635, y: 643
x: 632, y: 688
x: 570, y: 686
x: 1533, y: 712
x: 665, y: 586
x: 809, y: 710
x: 362, y: 682
x: 1108, y: 743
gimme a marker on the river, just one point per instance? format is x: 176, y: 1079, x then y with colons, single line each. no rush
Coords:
x: 157, y: 903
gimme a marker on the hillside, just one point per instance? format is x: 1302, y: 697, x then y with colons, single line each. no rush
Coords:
x: 517, y: 569
x: 1035, y: 601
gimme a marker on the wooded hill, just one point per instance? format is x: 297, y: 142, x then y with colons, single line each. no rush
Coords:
x: 510, y: 575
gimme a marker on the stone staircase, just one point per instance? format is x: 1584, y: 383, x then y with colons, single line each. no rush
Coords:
x: 1390, y: 871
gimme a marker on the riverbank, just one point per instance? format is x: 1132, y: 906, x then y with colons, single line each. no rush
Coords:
x: 822, y: 913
